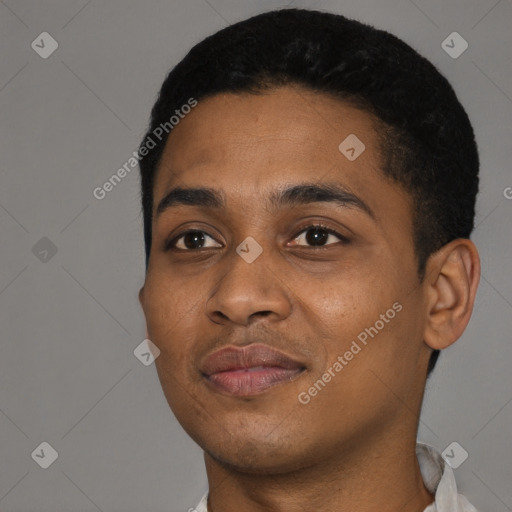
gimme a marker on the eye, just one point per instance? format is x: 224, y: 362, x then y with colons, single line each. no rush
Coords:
x: 191, y: 240
x: 319, y: 236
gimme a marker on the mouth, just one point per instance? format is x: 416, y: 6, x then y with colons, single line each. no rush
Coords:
x: 249, y: 370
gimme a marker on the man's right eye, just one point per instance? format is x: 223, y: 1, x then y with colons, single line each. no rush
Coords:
x: 189, y: 241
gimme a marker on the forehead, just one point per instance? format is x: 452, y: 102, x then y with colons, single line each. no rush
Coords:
x: 246, y: 138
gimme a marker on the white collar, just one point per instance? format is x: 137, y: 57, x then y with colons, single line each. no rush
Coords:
x: 438, y: 477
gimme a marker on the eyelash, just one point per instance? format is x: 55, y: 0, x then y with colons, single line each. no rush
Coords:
x: 170, y: 244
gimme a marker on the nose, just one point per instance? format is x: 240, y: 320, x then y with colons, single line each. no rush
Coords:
x: 246, y: 292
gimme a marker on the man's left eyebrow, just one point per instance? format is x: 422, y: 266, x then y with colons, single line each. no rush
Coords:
x: 318, y: 192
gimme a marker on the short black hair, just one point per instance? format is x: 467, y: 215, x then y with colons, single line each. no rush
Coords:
x: 427, y: 142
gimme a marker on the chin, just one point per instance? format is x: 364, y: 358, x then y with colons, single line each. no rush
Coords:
x: 257, y: 459
x: 261, y: 451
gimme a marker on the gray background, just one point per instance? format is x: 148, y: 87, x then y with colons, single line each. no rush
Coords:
x: 71, y: 321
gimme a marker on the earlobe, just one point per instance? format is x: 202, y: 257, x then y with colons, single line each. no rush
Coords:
x: 453, y: 274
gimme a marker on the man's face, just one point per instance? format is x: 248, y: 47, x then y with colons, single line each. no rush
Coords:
x: 308, y: 296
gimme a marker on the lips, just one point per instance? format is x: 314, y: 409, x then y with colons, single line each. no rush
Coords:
x: 249, y: 370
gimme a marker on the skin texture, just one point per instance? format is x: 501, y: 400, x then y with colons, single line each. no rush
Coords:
x: 352, y: 447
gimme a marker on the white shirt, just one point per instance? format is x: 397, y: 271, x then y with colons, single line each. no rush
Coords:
x: 438, y: 478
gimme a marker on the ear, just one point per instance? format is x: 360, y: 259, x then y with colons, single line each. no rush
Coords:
x: 141, y: 297
x: 453, y: 274
x: 141, y: 300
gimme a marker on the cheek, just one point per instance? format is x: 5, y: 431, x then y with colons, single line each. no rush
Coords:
x: 349, y: 304
x: 355, y: 313
x: 169, y: 306
x: 170, y: 314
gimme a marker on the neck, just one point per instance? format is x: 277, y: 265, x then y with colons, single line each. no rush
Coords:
x: 379, y: 476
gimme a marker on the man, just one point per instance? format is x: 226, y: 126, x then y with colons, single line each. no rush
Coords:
x: 308, y: 198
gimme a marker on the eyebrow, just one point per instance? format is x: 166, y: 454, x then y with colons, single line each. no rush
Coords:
x: 295, y: 195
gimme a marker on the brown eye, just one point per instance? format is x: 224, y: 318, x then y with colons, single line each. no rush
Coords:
x: 189, y: 241
x: 318, y: 236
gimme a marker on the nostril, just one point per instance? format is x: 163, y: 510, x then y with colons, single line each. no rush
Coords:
x: 262, y: 313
